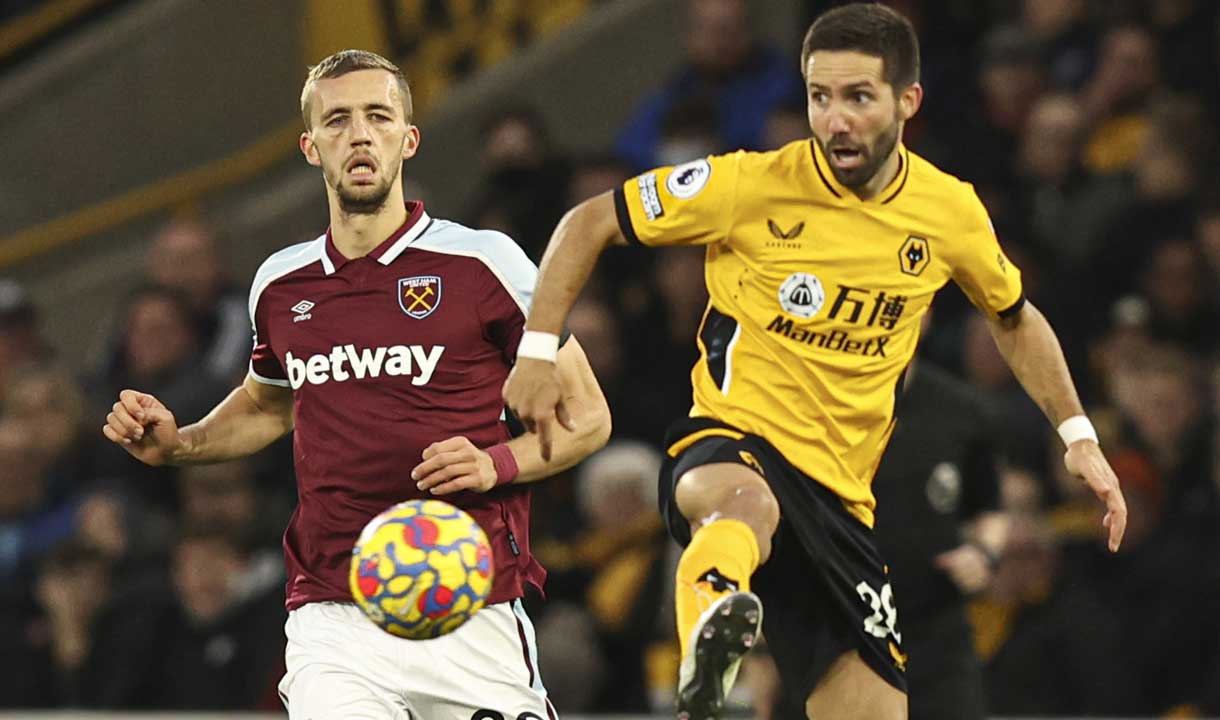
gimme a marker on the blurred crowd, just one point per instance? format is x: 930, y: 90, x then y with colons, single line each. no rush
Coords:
x: 1089, y: 130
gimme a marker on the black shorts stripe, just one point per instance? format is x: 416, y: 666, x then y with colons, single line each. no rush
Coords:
x: 1012, y: 309
x: 718, y: 329
x: 624, y: 216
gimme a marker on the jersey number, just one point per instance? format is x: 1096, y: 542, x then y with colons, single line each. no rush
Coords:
x: 493, y: 715
x: 879, y: 624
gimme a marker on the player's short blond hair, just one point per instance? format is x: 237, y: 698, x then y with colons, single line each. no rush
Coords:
x: 344, y: 62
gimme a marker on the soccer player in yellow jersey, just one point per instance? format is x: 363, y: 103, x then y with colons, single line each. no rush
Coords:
x: 822, y: 257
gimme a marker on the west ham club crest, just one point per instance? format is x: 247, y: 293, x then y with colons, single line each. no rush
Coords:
x: 418, y: 296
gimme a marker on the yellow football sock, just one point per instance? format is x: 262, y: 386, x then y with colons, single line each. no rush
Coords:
x: 720, y: 558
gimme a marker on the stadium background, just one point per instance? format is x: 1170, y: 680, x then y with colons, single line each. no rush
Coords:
x: 149, y: 164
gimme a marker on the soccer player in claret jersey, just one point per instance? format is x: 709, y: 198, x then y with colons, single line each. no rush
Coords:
x: 821, y: 258
x: 384, y: 344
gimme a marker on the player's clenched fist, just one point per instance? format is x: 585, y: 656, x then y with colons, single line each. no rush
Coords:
x: 452, y: 465
x: 142, y: 426
x: 534, y: 393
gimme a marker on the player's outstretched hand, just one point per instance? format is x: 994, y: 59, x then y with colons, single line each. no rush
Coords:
x: 534, y: 393
x: 1085, y: 460
x: 967, y: 567
x: 453, y: 465
x: 142, y: 426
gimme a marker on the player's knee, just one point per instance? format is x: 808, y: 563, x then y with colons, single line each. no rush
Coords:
x: 756, y: 504
x: 727, y: 491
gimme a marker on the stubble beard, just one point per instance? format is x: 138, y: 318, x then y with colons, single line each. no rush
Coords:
x: 365, y: 200
x: 857, y: 178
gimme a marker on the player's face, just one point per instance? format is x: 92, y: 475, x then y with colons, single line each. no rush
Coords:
x: 359, y: 137
x: 854, y: 114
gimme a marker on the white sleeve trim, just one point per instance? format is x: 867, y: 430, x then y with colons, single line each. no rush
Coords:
x: 502, y: 256
x: 266, y: 380
x: 283, y: 262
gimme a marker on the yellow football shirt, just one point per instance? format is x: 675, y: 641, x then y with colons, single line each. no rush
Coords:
x: 816, y: 295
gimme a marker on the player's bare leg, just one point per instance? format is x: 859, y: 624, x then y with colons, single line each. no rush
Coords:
x: 733, y: 514
x: 851, y: 690
x: 729, y: 491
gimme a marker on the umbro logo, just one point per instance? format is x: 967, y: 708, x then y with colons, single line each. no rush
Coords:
x: 718, y: 581
x: 302, y: 310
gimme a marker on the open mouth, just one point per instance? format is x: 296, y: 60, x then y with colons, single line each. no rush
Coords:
x: 361, y: 168
x: 847, y: 158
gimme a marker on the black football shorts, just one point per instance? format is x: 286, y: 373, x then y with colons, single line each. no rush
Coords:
x: 825, y: 589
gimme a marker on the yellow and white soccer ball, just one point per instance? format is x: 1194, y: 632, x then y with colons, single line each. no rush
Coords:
x: 421, y: 569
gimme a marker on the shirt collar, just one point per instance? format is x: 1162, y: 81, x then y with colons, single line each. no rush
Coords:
x: 888, y: 193
x: 388, y: 250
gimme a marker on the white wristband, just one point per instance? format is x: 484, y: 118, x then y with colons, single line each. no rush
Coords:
x: 1076, y: 428
x: 538, y: 345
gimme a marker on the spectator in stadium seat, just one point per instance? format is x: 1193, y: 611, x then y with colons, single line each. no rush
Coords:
x: 222, y: 644
x: 1171, y: 164
x: 157, y: 349
x: 980, y: 142
x: 594, y: 174
x: 1162, y: 395
x: 1066, y: 207
x: 638, y: 400
x: 724, y: 61
x: 185, y: 257
x: 1067, y: 43
x: 1036, y: 612
x: 689, y: 131
x: 524, y: 179
x: 786, y: 123
x: 1182, y: 307
x: 628, y: 559
x: 73, y: 585
x: 100, y: 638
x: 1117, y: 97
x: 32, y: 520
x: 21, y: 343
x: 1207, y: 234
x: 568, y: 655
x: 47, y: 397
x: 1163, y: 582
x: 1025, y: 441
x: 227, y: 495
x: 663, y: 311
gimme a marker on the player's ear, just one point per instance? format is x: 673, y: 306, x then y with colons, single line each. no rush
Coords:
x: 910, y: 100
x: 309, y: 150
x: 411, y: 144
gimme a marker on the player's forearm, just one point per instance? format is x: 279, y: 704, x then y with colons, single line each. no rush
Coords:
x: 581, y: 236
x: 591, y: 417
x: 237, y: 427
x: 1032, y: 350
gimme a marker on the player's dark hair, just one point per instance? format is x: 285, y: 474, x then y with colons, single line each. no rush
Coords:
x: 346, y: 61
x: 870, y: 29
